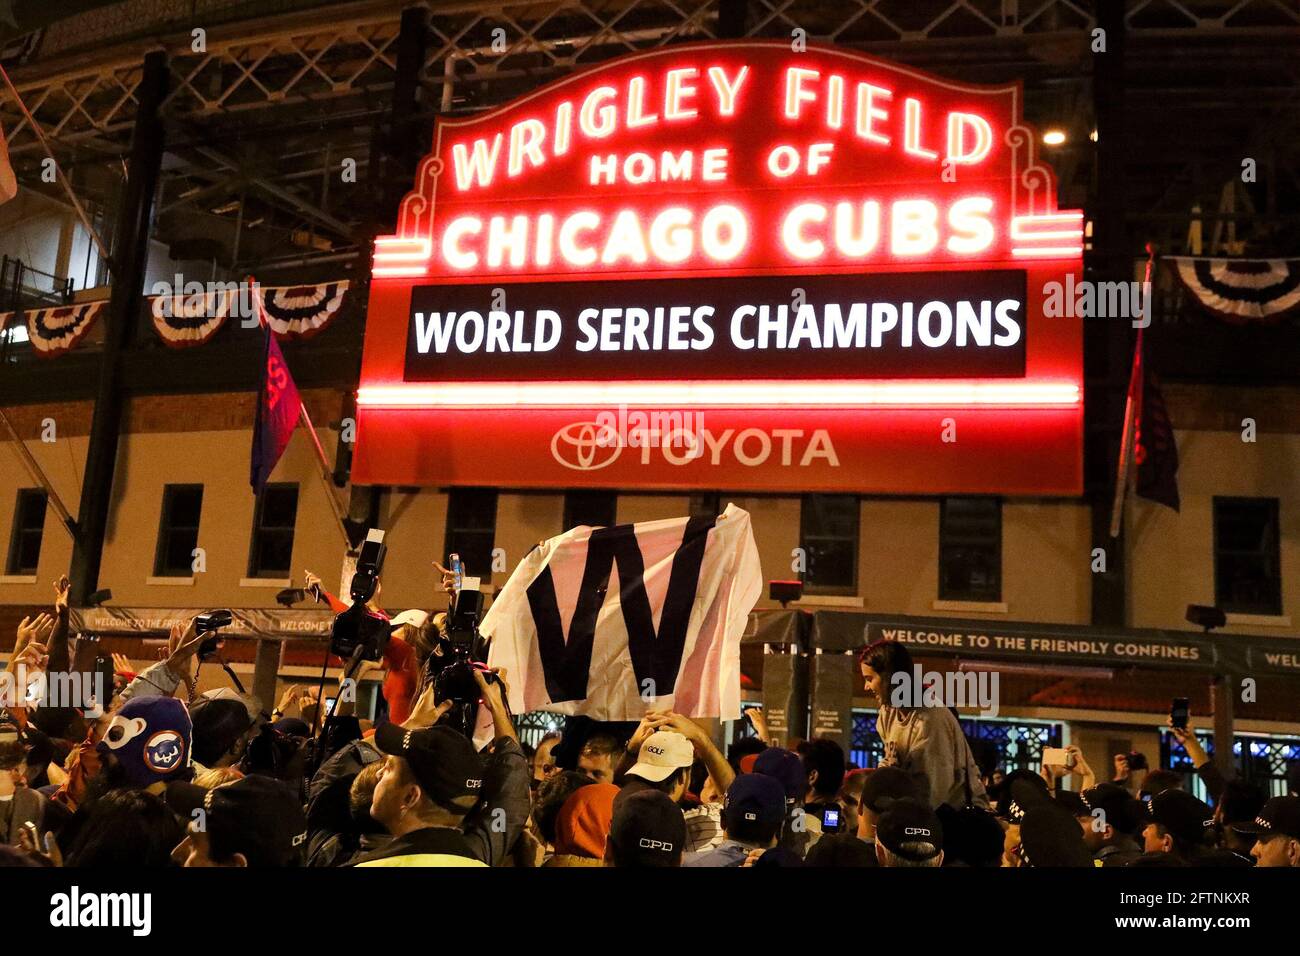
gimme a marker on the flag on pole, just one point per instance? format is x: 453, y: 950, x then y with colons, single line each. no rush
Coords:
x: 1147, y: 440
x: 615, y: 622
x: 1155, y: 451
x: 8, y: 182
x: 278, y: 408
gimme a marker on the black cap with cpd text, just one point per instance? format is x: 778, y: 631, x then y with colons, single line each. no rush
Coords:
x: 909, y: 821
x: 444, y: 762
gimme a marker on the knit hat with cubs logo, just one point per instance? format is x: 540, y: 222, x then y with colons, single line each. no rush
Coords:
x: 648, y: 830
x: 150, y: 740
x: 444, y: 762
x: 662, y: 754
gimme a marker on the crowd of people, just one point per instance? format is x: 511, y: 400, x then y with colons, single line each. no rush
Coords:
x: 159, y: 775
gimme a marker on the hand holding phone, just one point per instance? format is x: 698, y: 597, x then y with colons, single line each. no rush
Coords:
x: 1179, y: 712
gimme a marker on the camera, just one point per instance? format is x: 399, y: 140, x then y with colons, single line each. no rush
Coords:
x: 358, y: 632
x: 462, y: 655
x: 210, y: 623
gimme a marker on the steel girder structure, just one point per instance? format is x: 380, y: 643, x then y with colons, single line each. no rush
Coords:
x: 310, y: 58
x: 311, y: 68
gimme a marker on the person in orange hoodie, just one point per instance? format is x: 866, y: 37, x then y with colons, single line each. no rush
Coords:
x: 583, y: 826
x: 411, y: 643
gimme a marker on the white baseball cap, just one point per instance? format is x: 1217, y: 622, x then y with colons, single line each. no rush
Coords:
x: 663, y: 752
x: 413, y: 616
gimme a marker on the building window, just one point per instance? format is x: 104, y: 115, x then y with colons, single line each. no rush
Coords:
x: 707, y: 505
x: 594, y: 508
x: 828, y: 534
x: 178, y: 531
x: 1247, y: 566
x: 471, y: 529
x: 276, y: 515
x: 970, y: 549
x: 29, y: 528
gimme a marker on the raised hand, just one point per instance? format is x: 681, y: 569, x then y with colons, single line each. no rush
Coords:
x: 62, y: 588
x: 31, y: 629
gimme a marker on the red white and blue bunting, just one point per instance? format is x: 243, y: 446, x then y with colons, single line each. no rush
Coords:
x: 183, y: 321
x: 1241, y: 291
x: 302, y: 311
x: 58, y: 330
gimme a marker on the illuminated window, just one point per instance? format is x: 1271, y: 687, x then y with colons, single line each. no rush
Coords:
x: 595, y: 508
x: 970, y: 549
x: 471, y: 529
x: 178, y: 531
x: 1247, y: 566
x: 29, y: 528
x: 271, y: 554
x: 828, y: 534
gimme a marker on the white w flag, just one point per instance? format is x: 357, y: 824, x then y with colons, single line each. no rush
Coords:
x: 615, y: 622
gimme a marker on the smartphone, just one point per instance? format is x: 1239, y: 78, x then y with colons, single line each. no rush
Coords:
x: 457, y: 570
x: 831, y: 818
x: 1178, y: 713
x: 1057, y: 757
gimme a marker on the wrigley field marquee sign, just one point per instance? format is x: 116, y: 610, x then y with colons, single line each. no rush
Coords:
x: 727, y: 264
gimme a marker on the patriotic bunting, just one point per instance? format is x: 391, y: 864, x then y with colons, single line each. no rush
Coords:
x: 299, y: 312
x: 1241, y: 291
x: 190, y: 319
x: 55, y: 331
x: 183, y: 321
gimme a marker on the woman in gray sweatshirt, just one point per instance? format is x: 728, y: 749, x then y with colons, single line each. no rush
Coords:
x: 925, y: 741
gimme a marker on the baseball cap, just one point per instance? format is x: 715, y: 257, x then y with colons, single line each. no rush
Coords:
x: 1072, y: 802
x: 257, y: 816
x: 1123, y: 811
x: 787, y: 767
x: 648, y: 830
x: 444, y: 762
x: 887, y: 783
x: 218, y: 725
x: 1181, y: 814
x: 909, y: 821
x: 1050, y: 836
x: 754, y: 801
x: 412, y: 616
x: 663, y: 752
x: 1280, y: 815
x: 1015, y: 791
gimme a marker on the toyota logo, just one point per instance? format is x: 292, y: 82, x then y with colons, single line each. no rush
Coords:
x: 586, y: 446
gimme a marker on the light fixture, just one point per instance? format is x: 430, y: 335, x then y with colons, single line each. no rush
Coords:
x: 1093, y: 136
x: 755, y: 394
x: 1054, y: 137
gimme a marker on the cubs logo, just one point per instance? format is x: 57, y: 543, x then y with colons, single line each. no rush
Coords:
x: 164, y: 752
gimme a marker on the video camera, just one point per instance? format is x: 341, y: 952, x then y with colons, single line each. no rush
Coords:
x: 358, y: 632
x: 462, y: 654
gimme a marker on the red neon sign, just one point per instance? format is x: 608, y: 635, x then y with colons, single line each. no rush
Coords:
x: 731, y: 157
x: 725, y: 159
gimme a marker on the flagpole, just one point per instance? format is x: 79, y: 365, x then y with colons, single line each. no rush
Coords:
x: 324, y: 469
x: 324, y: 472
x: 20, y: 449
x: 1132, y: 410
x: 58, y: 171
